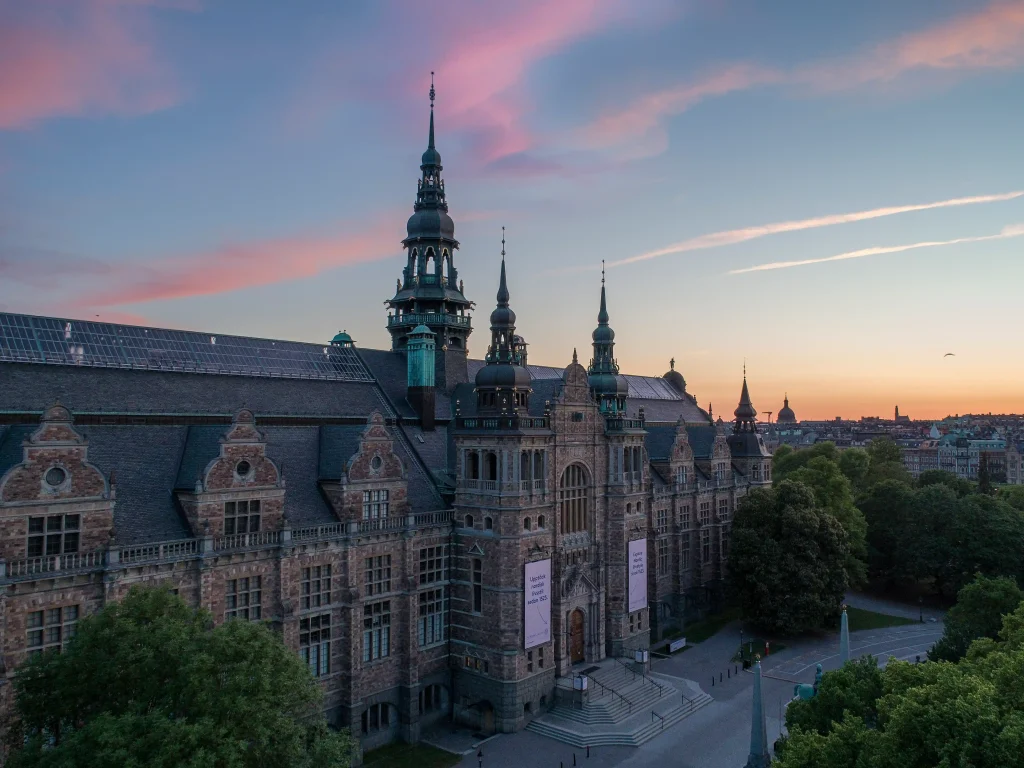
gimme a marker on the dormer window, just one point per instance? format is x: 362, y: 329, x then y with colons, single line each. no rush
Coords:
x: 55, y: 477
x: 241, y: 516
x: 243, y: 469
x: 53, y: 535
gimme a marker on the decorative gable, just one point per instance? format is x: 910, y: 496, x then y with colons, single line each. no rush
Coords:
x: 376, y: 459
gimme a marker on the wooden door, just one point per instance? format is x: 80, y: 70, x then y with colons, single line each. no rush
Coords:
x: 576, y: 636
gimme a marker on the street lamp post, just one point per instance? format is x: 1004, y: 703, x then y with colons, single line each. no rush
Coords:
x: 920, y: 606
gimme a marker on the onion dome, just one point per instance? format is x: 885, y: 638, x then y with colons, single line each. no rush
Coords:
x: 342, y: 339
x: 786, y: 415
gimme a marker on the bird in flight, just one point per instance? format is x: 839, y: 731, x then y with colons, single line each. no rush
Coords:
x: 949, y: 354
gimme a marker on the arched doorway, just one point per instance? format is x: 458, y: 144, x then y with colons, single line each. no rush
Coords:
x: 576, y: 636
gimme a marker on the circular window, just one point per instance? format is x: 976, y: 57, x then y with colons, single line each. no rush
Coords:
x: 243, y: 468
x: 376, y: 463
x: 55, y: 476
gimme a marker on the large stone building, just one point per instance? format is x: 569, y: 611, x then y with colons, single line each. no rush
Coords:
x: 382, y: 509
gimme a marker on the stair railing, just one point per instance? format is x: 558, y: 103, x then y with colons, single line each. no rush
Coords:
x: 656, y: 715
x: 643, y: 673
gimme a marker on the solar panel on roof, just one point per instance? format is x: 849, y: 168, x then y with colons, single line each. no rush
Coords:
x: 50, y: 340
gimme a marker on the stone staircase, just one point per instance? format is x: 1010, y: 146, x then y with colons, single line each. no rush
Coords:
x: 624, y: 708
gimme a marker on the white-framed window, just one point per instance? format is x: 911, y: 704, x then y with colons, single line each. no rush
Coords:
x: 50, y: 628
x: 243, y: 598
x: 315, y: 643
x: 434, y: 564
x: 241, y: 516
x: 376, y: 630
x: 53, y: 535
x: 375, y: 504
x: 378, y: 575
x: 433, y: 616
x: 315, y: 586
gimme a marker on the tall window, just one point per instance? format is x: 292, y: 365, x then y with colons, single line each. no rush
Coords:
x: 243, y: 598
x: 315, y: 643
x: 433, y: 619
x: 378, y: 575
x: 723, y: 509
x: 662, y: 520
x: 724, y: 544
x: 705, y: 513
x: 478, y: 585
x: 51, y: 628
x: 684, y: 517
x: 434, y: 564
x: 705, y: 545
x: 376, y: 630
x: 241, y: 516
x: 375, y: 504
x: 684, y: 555
x: 572, y: 496
x: 663, y: 566
x: 53, y: 535
x: 316, y: 586
x: 681, y: 475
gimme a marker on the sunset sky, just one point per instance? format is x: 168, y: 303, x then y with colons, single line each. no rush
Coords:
x: 833, y: 192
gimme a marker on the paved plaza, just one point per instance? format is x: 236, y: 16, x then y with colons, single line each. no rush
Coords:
x: 718, y: 735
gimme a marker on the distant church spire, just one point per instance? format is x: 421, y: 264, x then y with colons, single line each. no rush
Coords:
x: 746, y: 416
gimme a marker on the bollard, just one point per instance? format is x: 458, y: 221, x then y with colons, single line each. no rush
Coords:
x: 712, y: 681
x: 719, y: 677
x: 574, y: 758
x: 917, y: 659
x: 728, y: 673
x: 588, y: 750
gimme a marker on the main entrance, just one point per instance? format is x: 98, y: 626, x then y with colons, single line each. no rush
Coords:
x: 576, y: 636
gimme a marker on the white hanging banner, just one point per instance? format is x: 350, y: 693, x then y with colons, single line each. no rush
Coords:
x: 537, y: 603
x: 637, y: 575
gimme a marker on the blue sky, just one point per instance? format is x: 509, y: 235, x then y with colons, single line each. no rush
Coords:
x: 247, y: 167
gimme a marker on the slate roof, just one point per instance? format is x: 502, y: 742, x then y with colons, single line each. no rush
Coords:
x: 32, y: 388
x: 11, y: 437
x: 145, y: 460
x: 202, y: 445
x: 659, y: 441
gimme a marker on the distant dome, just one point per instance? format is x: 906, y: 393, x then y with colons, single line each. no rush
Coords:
x: 342, y: 339
x: 786, y: 415
x: 603, y: 334
x: 430, y: 223
x: 676, y: 380
x: 608, y: 384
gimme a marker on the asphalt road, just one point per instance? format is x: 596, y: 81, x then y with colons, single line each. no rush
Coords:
x: 718, y: 735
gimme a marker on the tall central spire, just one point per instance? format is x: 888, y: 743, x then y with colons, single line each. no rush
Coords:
x: 607, y: 386
x: 429, y: 292
x: 746, y: 416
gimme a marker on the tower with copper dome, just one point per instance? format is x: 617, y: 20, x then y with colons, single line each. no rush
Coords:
x: 429, y: 293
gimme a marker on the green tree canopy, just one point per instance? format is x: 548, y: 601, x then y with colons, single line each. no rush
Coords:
x: 786, y: 460
x: 970, y: 713
x: 979, y: 611
x: 940, y: 476
x: 149, y: 682
x: 855, y: 463
x: 834, y: 495
x: 1012, y: 495
x: 853, y: 688
x: 886, y: 463
x: 888, y: 509
x: 786, y: 559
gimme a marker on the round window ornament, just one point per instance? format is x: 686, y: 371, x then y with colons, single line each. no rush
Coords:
x: 376, y: 463
x: 243, y: 468
x: 55, y: 476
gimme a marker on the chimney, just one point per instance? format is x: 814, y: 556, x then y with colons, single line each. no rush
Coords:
x: 420, y: 374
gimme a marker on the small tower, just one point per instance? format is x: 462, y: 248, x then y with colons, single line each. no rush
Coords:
x: 429, y: 292
x: 342, y: 339
x: 608, y: 387
x: 749, y: 453
x: 844, y: 638
x: 420, y: 374
x: 502, y: 385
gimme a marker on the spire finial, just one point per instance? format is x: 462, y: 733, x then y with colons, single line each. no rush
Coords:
x: 575, y: 359
x: 502, y: 243
x: 432, y: 93
x: 602, y: 271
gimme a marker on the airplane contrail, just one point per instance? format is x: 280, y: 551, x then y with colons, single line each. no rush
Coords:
x: 1015, y: 230
x: 733, y: 236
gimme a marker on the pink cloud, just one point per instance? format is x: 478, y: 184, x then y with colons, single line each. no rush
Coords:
x: 992, y: 38
x: 235, y: 266
x: 89, y: 57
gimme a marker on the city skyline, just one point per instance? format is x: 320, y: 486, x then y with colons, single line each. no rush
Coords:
x: 840, y: 213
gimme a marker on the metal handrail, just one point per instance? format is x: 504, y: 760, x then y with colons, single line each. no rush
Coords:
x: 656, y: 715
x: 643, y: 674
x: 609, y: 689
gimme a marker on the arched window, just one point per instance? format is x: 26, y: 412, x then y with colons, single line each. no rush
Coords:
x: 524, y: 466
x: 526, y: 523
x: 469, y: 521
x: 639, y: 507
x: 430, y: 264
x: 573, y: 498
x: 473, y: 466
x: 490, y: 466
x: 629, y: 509
x: 541, y: 520
x: 488, y: 523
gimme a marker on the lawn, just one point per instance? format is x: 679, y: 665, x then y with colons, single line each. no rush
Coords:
x: 700, y: 631
x: 861, y: 619
x: 410, y: 756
